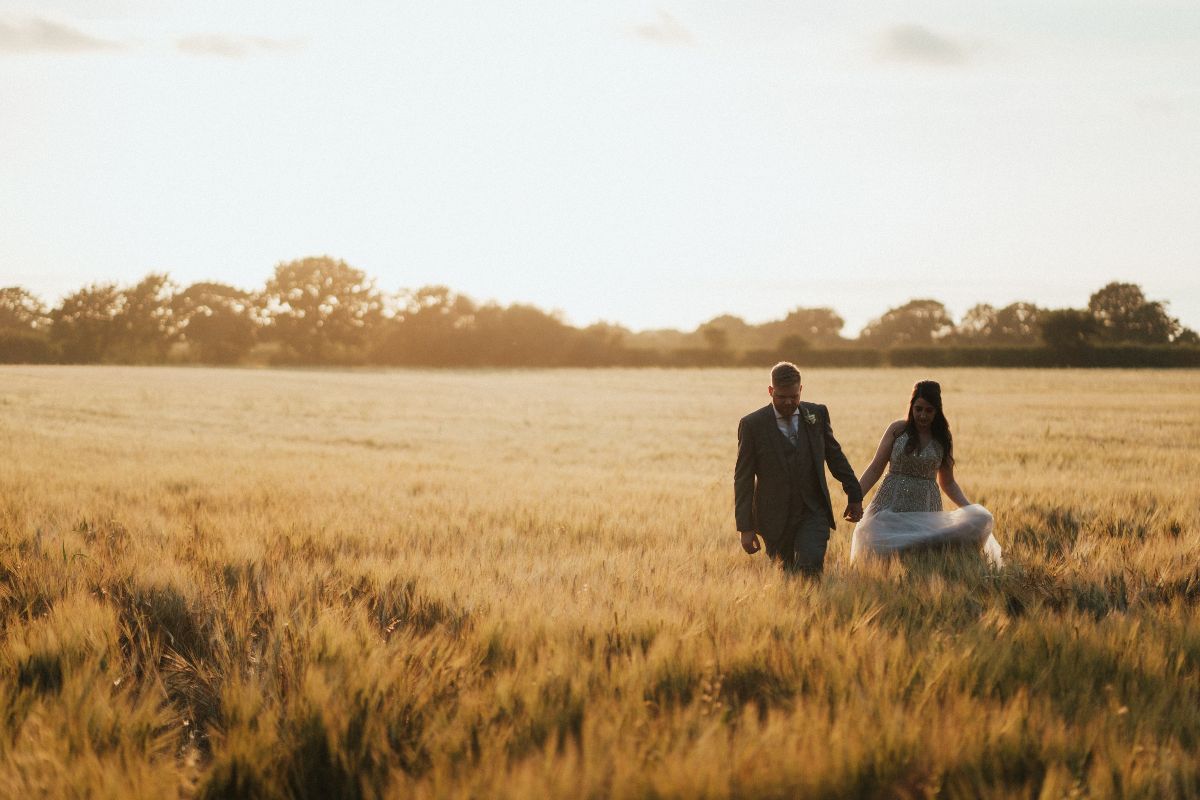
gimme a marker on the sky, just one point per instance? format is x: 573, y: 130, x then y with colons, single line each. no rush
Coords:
x: 653, y: 165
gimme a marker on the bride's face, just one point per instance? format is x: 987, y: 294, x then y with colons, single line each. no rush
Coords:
x: 923, y: 413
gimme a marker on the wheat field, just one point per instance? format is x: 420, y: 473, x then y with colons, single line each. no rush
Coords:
x: 512, y: 584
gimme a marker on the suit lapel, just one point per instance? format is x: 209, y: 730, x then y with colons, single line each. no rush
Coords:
x: 814, y: 435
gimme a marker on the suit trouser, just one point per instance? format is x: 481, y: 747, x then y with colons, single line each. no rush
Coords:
x: 805, y: 537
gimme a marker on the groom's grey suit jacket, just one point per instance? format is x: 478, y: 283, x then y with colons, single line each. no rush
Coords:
x: 764, y: 486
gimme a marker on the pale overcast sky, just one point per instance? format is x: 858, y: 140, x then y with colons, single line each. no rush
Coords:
x: 648, y: 164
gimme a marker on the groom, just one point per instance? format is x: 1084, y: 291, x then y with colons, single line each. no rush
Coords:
x: 779, y: 487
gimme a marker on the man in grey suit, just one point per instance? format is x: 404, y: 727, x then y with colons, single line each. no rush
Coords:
x: 779, y: 485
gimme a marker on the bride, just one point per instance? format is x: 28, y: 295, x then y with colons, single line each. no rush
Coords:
x: 906, y: 512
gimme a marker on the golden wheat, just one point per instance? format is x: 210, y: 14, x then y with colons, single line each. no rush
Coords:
x: 238, y: 583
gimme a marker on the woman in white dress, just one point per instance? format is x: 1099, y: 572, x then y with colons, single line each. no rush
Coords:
x: 906, y: 512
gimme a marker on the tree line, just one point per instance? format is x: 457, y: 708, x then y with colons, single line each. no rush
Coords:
x: 322, y: 311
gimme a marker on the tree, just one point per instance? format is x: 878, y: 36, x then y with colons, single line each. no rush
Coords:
x: 433, y: 326
x: 22, y: 312
x: 716, y: 339
x: 978, y: 325
x: 723, y: 333
x: 24, y: 328
x: 917, y: 322
x: 1068, y: 328
x: 216, y: 321
x: 820, y: 327
x: 599, y: 344
x: 144, y: 324
x: 1123, y: 314
x: 321, y: 309
x: 84, y: 324
x: 520, y: 335
x: 1016, y: 323
x: 792, y: 345
x: 439, y: 302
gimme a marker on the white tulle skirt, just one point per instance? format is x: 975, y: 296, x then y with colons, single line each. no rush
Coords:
x: 885, y: 532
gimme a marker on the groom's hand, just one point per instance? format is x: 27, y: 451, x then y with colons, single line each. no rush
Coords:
x: 853, y: 512
x: 750, y: 542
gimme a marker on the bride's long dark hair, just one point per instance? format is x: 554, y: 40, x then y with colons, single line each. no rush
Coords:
x: 930, y: 392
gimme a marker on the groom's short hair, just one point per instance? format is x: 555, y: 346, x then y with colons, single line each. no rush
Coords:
x: 785, y: 373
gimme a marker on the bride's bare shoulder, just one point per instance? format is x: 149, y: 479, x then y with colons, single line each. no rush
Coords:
x: 896, y: 428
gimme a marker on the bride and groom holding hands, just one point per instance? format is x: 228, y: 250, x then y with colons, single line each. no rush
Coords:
x: 781, y: 492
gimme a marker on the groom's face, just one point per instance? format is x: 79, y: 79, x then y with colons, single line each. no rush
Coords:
x: 785, y: 398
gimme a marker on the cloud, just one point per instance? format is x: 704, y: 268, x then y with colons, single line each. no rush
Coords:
x: 915, y: 44
x: 40, y: 35
x: 229, y: 46
x: 665, y: 30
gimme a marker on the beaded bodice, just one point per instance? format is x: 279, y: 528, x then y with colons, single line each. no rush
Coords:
x: 909, y: 484
x: 922, y: 464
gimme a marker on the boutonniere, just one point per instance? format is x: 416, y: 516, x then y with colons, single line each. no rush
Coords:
x: 809, y: 417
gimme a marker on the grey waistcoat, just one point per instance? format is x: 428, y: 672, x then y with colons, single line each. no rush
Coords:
x: 799, y: 461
